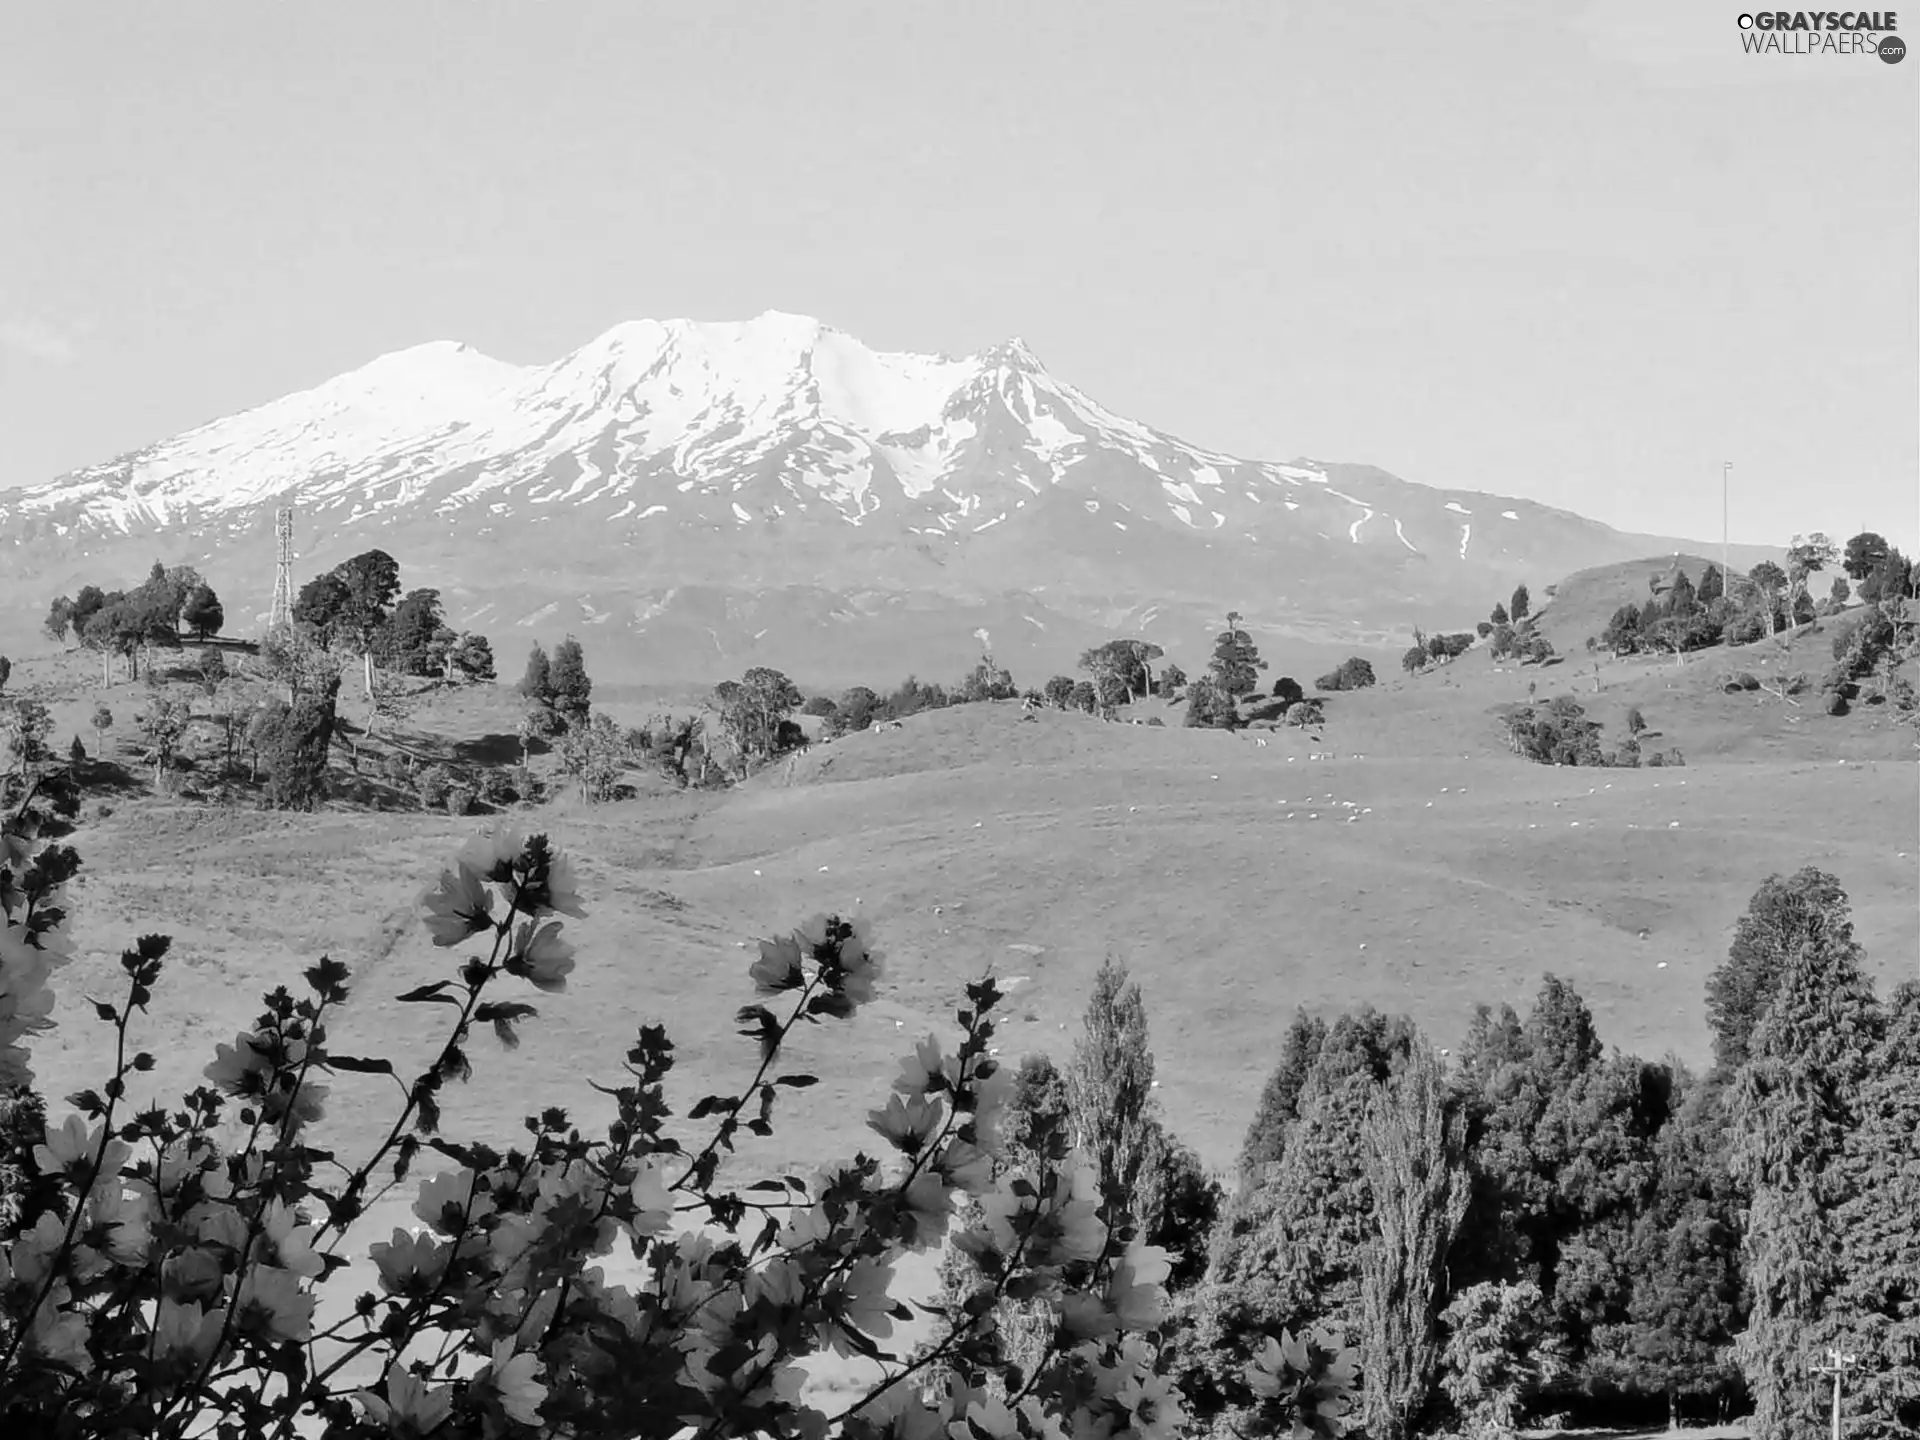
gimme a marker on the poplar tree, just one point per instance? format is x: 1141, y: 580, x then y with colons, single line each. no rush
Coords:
x: 1110, y: 1086
x: 1415, y: 1144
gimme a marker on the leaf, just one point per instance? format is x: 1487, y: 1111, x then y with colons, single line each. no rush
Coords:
x: 711, y: 1105
x: 357, y: 1065
x: 797, y: 1082
x: 428, y: 992
x: 772, y: 1185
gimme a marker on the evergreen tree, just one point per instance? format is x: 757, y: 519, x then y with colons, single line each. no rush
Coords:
x: 1864, y: 554
x: 1713, y: 585
x: 572, y: 688
x: 536, y: 681
x: 1279, y: 1104
x: 1681, y: 599
x: 1784, y: 915
x: 1521, y: 605
x: 1416, y: 1172
x: 1236, y: 663
x: 1499, y: 615
x: 1110, y: 1084
x: 1877, y: 1309
x: 1792, y: 1108
x: 293, y: 741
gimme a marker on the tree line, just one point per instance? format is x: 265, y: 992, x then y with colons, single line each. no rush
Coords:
x: 1537, y: 1226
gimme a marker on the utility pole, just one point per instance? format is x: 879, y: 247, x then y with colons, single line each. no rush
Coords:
x: 281, y: 611
x: 1726, y: 575
x: 1837, y: 1365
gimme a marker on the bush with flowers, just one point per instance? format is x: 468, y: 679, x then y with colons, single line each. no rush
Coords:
x: 180, y: 1272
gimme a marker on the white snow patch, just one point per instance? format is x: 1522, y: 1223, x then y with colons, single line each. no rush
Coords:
x: 652, y: 510
x: 1293, y: 504
x: 1186, y: 515
x: 1508, y: 515
x: 1180, y: 492
x: 1033, y: 622
x: 1093, y: 506
x: 1403, y: 538
x: 1218, y: 518
x: 1466, y: 534
x: 991, y: 523
x: 1353, y: 530
x: 1458, y: 508
x: 740, y: 511
x: 1118, y: 526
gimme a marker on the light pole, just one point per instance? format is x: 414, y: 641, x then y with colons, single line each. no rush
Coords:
x: 1837, y: 1365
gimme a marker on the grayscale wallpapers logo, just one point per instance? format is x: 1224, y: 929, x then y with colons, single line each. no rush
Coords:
x: 1823, y: 32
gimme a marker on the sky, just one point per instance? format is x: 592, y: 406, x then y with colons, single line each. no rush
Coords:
x: 1578, y: 254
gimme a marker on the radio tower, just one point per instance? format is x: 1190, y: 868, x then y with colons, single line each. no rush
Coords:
x: 281, y: 612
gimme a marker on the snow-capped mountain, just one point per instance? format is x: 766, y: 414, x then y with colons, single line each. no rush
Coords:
x: 779, y: 470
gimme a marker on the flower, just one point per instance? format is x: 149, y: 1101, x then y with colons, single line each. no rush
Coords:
x: 540, y: 955
x: 924, y: 1071
x: 563, y: 887
x: 412, y: 1406
x: 495, y: 855
x: 243, y: 1068
x: 650, y: 1198
x: 60, y: 1333
x: 122, y: 1215
x: 445, y: 1198
x: 778, y: 967
x: 272, y: 1303
x: 301, y: 1105
x: 183, y: 1331
x: 458, y: 904
x: 70, y: 1150
x: 292, y: 1242
x: 516, y: 1379
x: 409, y: 1264
x: 908, y: 1123
x: 928, y: 1206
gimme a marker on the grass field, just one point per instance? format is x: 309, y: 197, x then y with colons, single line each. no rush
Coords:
x: 1414, y: 865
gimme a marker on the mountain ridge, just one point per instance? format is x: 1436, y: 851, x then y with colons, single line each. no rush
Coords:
x: 754, y: 456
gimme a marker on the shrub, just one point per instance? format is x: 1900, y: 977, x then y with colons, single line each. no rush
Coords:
x: 1636, y: 722
x: 1156, y: 720
x: 460, y: 798
x: 1306, y: 713
x: 1353, y: 674
x: 1655, y: 759
x: 1835, y: 703
x: 191, y: 1309
x: 396, y: 770
x: 496, y: 787
x: 431, y: 785
x: 1288, y: 689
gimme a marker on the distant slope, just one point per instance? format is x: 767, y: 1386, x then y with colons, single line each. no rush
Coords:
x: 704, y: 492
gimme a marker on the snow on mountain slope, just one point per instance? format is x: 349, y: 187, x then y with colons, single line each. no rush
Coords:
x: 780, y: 452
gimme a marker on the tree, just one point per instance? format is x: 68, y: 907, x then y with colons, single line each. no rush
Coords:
x: 1352, y: 674
x: 1279, y: 1105
x: 1681, y: 599
x: 1806, y: 557
x: 1865, y: 553
x: 293, y: 740
x: 856, y: 709
x: 1236, y: 663
x: 1521, y: 605
x: 571, y: 685
x: 414, y: 639
x: 1879, y: 1293
x: 211, y: 672
x: 59, y: 618
x: 1059, y: 691
x: 1414, y: 659
x: 1416, y: 1170
x: 1491, y: 1362
x: 1084, y: 696
x: 595, y: 755
x: 1172, y: 680
x: 322, y: 607
x: 1209, y: 707
x: 162, y: 722
x: 470, y: 659
x: 1792, y: 1107
x: 1768, y: 578
x: 988, y: 681
x: 1786, y: 915
x: 1127, y: 662
x: 1840, y: 593
x: 1110, y: 1086
x: 6, y: 671
x: 372, y: 583
x: 102, y: 721
x: 1499, y: 616
x: 536, y: 681
x: 1683, y: 1258
x: 289, y: 655
x: 203, y: 612
x: 1288, y: 691
x: 1636, y: 722
x: 1713, y: 585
